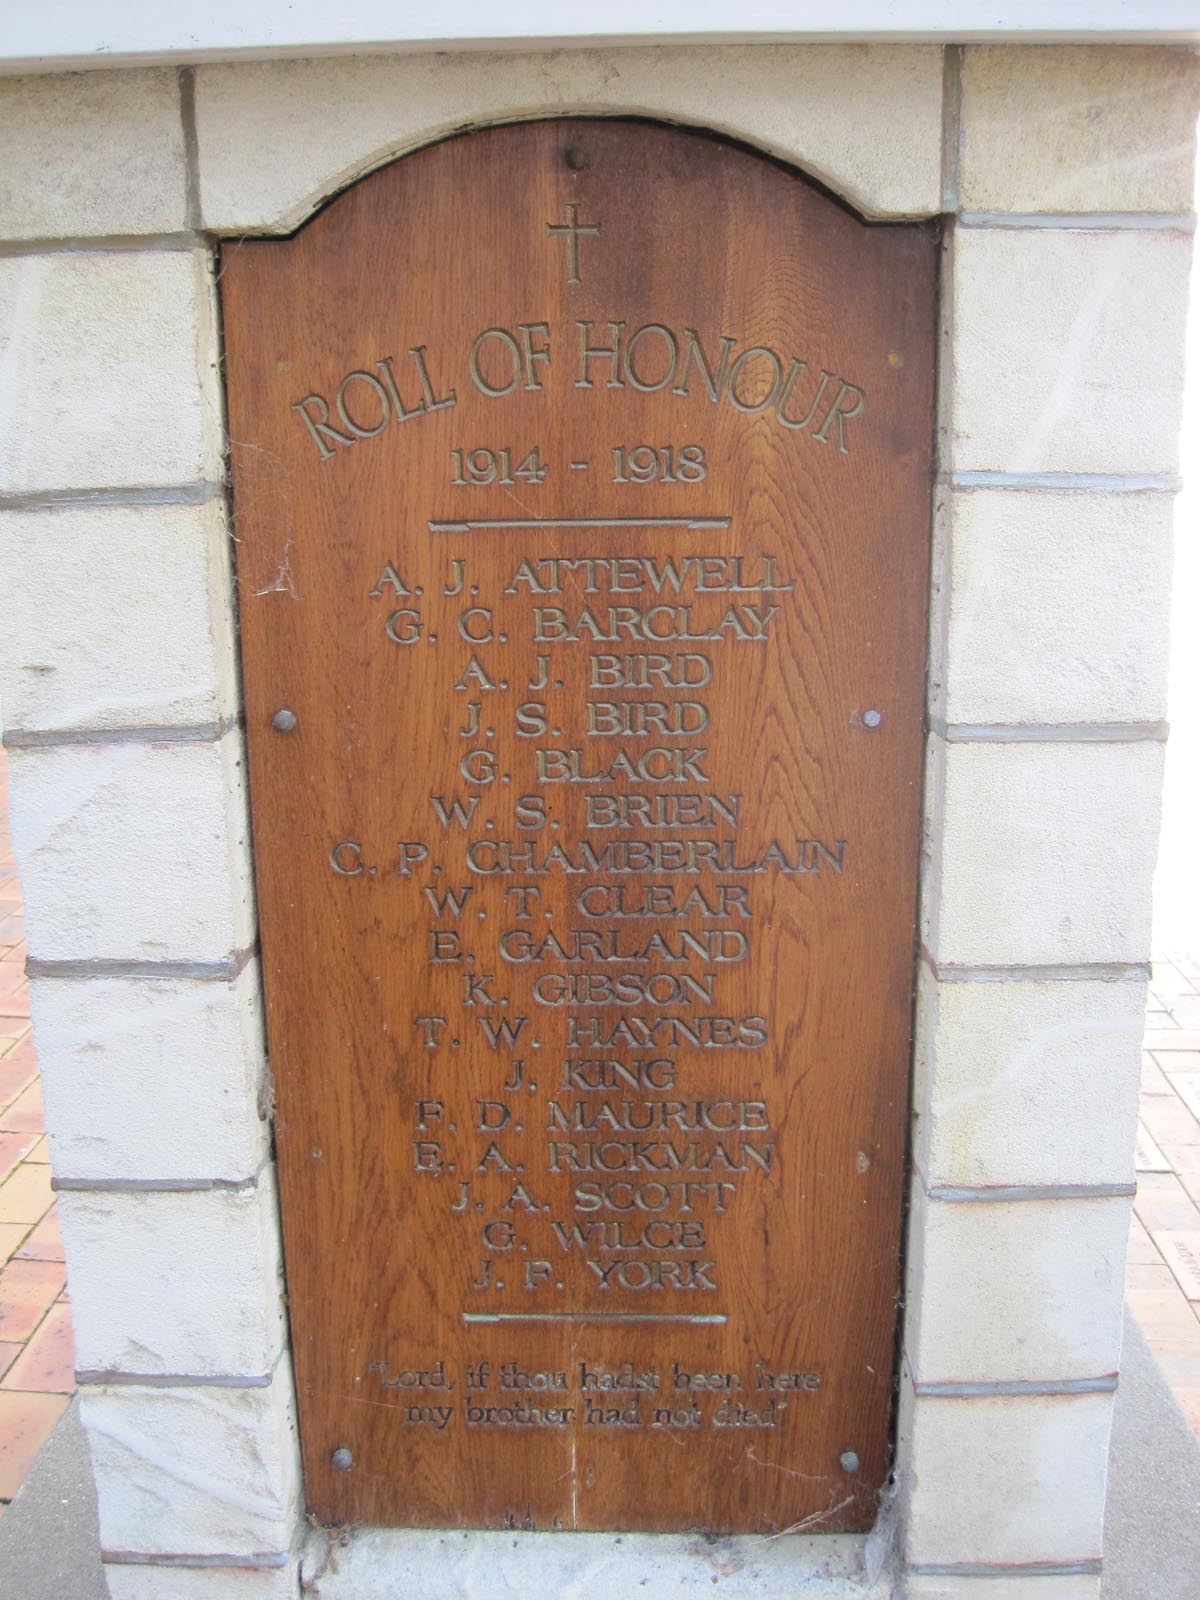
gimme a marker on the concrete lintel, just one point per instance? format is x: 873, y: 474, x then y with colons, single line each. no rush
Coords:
x: 72, y: 34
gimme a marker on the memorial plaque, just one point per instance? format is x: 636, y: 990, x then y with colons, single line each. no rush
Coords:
x: 582, y: 486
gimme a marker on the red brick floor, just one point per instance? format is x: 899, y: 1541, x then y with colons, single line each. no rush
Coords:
x: 37, y: 1354
x: 1162, y: 1282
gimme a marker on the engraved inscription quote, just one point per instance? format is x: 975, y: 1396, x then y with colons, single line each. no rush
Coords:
x: 581, y: 479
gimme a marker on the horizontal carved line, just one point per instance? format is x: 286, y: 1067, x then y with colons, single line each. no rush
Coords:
x: 1107, y: 482
x: 175, y: 1380
x: 171, y: 494
x: 715, y: 1319
x: 184, y: 733
x: 1089, y: 221
x: 982, y: 1193
x: 1016, y: 1387
x: 258, y: 1562
x: 692, y: 524
x: 987, y: 1194
x: 221, y: 971
x: 158, y: 1185
x: 994, y: 1569
x: 1039, y: 972
x: 104, y: 244
x: 1050, y: 732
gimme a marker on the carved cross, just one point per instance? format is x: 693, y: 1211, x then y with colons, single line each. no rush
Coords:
x: 571, y: 230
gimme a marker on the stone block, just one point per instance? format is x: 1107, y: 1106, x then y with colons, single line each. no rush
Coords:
x: 195, y: 1471
x: 1047, y: 854
x: 92, y: 153
x: 110, y: 371
x: 1067, y: 350
x: 1026, y: 1082
x: 152, y: 645
x: 1007, y: 1481
x: 148, y: 1079
x: 1059, y: 607
x: 175, y: 1284
x: 1078, y: 128
x: 208, y: 1583
x: 1026, y: 1290
x: 864, y: 119
x: 133, y: 852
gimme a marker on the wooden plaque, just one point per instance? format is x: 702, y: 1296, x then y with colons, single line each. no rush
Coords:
x: 582, y: 483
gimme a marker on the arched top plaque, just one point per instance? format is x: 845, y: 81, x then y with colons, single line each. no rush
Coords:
x: 582, y: 483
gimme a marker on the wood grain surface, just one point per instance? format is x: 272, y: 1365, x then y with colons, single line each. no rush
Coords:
x: 591, y: 1093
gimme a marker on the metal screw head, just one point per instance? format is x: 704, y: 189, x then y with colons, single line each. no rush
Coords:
x: 284, y: 721
x: 342, y: 1460
x: 849, y: 1461
x: 872, y: 719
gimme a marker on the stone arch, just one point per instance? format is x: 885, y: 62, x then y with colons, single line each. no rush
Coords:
x: 864, y: 121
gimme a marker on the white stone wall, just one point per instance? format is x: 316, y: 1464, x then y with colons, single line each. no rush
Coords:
x: 1069, y: 173
x: 1066, y: 172
x: 120, y: 699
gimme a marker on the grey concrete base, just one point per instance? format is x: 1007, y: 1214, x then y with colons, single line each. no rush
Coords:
x: 381, y: 1563
x: 1152, y: 1521
x: 49, y: 1538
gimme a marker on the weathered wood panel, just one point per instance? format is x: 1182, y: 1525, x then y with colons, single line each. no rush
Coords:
x: 582, y: 488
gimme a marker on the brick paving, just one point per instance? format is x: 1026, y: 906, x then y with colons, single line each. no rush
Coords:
x: 1162, y: 1281
x: 37, y: 1356
x: 37, y: 1352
